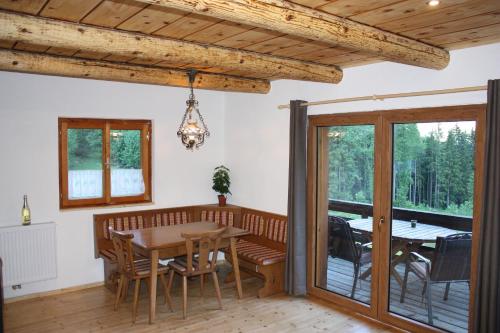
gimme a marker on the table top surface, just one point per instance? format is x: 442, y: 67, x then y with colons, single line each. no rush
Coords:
x: 402, y: 230
x: 170, y: 236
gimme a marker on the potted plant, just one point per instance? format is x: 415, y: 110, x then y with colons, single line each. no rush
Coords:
x: 221, y: 183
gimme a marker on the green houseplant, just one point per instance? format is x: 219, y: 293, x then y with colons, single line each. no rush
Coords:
x: 222, y: 182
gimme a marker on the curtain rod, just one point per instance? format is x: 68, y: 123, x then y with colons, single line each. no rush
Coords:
x: 389, y: 96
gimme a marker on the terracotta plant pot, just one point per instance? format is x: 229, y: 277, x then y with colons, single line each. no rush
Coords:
x: 222, y: 200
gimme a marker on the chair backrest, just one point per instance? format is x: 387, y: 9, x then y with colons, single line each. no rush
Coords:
x: 203, y: 243
x: 122, y: 244
x: 452, y: 258
x: 341, y: 243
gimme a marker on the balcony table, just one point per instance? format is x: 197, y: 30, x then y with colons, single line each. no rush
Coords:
x: 404, y: 238
x: 167, y: 242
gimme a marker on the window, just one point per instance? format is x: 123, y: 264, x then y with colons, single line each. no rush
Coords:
x: 104, y: 162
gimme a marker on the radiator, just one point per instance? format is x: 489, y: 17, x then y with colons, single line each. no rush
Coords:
x: 28, y: 253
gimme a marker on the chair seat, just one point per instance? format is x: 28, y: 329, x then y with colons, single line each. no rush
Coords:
x: 143, y: 268
x: 180, y: 265
x: 258, y: 254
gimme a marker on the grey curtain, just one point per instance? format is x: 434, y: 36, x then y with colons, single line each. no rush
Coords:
x: 296, y: 268
x: 487, y: 305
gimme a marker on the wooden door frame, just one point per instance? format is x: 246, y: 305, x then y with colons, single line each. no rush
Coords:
x: 316, y: 123
x: 383, y: 121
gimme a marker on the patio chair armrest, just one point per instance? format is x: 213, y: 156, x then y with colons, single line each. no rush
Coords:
x: 363, y: 247
x: 415, y: 256
x: 419, y: 257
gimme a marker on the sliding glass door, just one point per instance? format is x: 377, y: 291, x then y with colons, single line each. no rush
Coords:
x: 344, y: 194
x: 394, y: 199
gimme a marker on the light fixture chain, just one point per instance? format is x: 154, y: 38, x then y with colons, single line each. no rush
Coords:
x: 182, y: 123
x: 203, y: 122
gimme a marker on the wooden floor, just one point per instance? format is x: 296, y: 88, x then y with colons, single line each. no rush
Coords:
x: 91, y: 310
x: 451, y: 315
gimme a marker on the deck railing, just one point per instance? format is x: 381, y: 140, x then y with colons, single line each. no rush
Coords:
x: 456, y: 222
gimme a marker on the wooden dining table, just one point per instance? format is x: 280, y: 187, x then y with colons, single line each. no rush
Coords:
x: 167, y: 242
x: 404, y: 238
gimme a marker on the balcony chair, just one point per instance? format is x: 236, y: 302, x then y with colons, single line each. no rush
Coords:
x: 451, y: 261
x: 201, y: 265
x: 131, y: 269
x: 345, y: 244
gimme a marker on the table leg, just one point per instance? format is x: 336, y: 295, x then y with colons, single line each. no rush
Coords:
x: 406, y: 249
x: 152, y: 285
x: 236, y: 267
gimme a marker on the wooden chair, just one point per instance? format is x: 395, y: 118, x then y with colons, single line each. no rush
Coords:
x: 131, y: 269
x: 189, y: 266
x: 451, y: 262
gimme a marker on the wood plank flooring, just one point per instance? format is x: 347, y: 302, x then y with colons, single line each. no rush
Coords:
x: 91, y: 310
x: 451, y: 315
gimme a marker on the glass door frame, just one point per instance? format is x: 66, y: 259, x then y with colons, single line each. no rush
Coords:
x: 382, y: 202
x: 316, y: 123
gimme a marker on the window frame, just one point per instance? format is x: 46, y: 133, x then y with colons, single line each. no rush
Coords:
x: 106, y: 125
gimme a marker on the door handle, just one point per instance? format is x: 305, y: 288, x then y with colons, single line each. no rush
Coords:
x: 380, y: 222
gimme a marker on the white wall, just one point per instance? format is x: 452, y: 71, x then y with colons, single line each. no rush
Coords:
x: 257, y: 133
x: 29, y: 108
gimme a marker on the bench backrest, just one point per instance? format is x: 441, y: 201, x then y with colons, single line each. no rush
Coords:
x: 266, y: 228
x: 135, y: 220
x: 171, y: 216
x: 219, y: 216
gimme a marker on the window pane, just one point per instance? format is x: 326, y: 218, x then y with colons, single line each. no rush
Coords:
x: 431, y: 233
x: 84, y: 163
x: 126, y: 166
x: 346, y: 183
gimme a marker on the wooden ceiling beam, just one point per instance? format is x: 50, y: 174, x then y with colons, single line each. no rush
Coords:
x: 35, y: 63
x: 48, y: 32
x: 289, y: 18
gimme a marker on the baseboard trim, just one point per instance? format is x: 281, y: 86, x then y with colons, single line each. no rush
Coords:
x: 53, y: 292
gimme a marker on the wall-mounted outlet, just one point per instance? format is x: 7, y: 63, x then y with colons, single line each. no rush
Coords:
x: 17, y: 286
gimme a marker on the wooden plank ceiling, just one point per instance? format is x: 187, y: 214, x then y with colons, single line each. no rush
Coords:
x: 452, y: 24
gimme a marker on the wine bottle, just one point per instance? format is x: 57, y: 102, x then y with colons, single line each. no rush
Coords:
x: 26, y: 213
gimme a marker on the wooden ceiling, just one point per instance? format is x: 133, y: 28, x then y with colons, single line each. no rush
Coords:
x: 452, y: 24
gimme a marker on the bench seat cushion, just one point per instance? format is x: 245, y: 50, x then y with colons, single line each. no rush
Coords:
x: 109, y: 254
x: 258, y: 254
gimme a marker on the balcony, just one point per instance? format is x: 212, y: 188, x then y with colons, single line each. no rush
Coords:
x: 450, y: 314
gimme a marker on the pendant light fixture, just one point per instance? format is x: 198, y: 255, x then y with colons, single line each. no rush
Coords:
x: 191, y: 133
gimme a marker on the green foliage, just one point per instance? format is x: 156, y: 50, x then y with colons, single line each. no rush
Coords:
x: 221, y: 180
x: 430, y: 173
x: 351, y: 163
x: 85, y: 149
x: 126, y: 149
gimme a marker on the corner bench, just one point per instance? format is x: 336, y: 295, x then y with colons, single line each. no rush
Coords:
x: 262, y: 254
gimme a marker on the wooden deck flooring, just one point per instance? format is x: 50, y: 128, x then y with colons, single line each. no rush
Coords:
x: 91, y: 310
x: 451, y: 315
